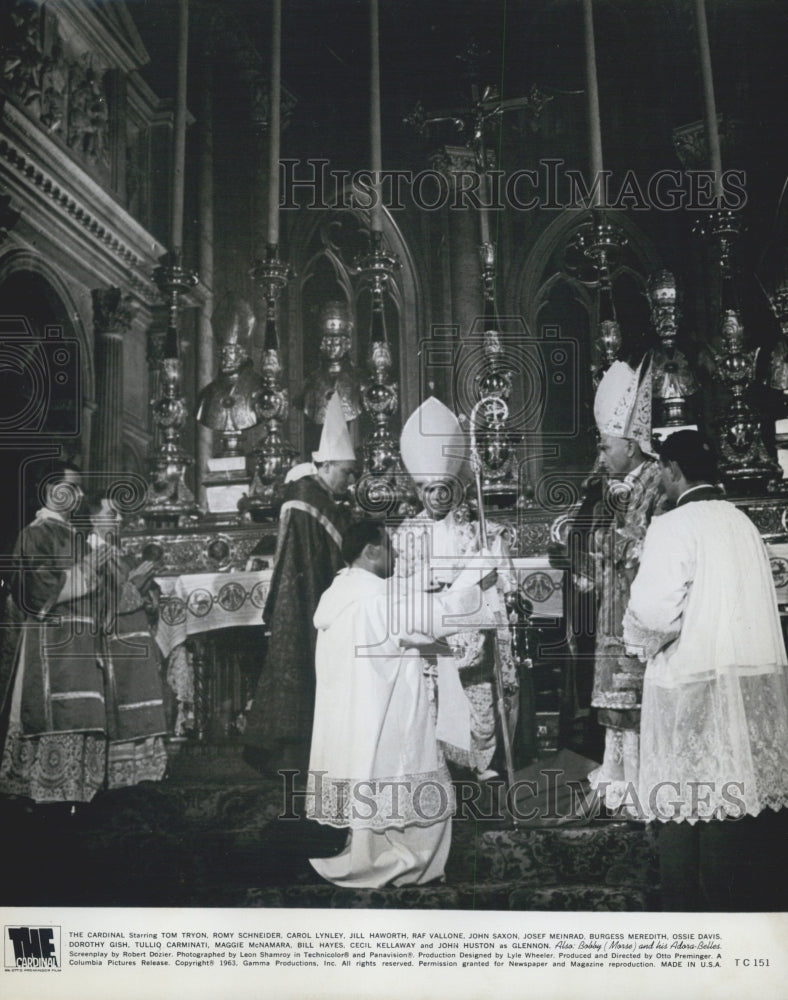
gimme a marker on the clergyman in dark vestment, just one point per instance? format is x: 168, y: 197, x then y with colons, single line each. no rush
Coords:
x: 308, y: 556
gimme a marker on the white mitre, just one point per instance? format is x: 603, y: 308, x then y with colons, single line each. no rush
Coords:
x: 622, y: 406
x: 335, y: 442
x: 433, y: 444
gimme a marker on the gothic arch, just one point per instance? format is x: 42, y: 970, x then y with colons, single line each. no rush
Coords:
x: 46, y: 395
x: 528, y: 267
x: 556, y: 302
x: 405, y: 294
x: 59, y: 301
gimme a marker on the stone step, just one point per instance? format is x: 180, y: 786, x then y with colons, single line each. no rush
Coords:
x: 216, y: 839
x: 609, y: 853
x: 462, y: 896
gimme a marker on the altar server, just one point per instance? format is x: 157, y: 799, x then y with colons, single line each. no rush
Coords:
x: 714, y: 731
x: 376, y: 765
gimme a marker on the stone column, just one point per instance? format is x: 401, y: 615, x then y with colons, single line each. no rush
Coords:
x: 113, y: 313
x: 458, y: 164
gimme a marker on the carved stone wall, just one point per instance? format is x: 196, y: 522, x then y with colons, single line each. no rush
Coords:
x: 65, y: 104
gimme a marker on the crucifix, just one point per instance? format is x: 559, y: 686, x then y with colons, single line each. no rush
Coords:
x: 493, y: 381
x: 487, y: 107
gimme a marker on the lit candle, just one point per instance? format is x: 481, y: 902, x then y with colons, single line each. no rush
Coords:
x: 709, y: 104
x: 594, y: 126
x: 179, y: 139
x: 275, y: 102
x: 375, y: 130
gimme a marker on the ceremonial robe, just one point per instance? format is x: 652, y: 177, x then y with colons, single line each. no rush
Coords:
x: 433, y: 552
x: 375, y: 764
x: 703, y: 612
x: 621, y: 519
x: 77, y: 722
x: 308, y: 555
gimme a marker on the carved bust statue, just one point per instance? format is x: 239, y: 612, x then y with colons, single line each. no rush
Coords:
x: 228, y: 403
x: 337, y: 372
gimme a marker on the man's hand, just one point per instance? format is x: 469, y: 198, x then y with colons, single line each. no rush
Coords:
x: 489, y: 580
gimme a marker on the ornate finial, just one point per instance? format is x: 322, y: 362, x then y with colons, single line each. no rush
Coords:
x: 745, y: 463
x: 275, y: 455
x: 169, y: 499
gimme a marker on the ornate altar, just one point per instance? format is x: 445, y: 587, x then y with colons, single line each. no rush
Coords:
x: 210, y: 627
x: 211, y: 691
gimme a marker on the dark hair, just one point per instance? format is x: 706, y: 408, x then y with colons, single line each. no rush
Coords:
x: 693, y: 453
x: 370, y: 531
x: 51, y: 473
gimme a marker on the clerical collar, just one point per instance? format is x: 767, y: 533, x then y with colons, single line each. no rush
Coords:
x: 45, y: 514
x: 703, y: 491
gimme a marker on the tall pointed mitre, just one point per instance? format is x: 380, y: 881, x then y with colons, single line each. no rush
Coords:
x: 335, y: 443
x: 622, y: 406
x: 433, y: 444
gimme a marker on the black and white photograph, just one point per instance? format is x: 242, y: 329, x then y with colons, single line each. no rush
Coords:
x: 394, y: 508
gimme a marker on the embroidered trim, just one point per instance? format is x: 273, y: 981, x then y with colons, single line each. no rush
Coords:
x: 380, y: 803
x: 308, y: 508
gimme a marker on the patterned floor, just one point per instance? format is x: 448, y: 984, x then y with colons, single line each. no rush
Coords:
x: 214, y: 843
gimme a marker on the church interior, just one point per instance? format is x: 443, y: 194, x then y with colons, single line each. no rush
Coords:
x: 213, y: 215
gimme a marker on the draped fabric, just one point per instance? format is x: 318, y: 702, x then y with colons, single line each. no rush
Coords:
x: 414, y: 855
x: 86, y: 709
x: 624, y: 515
x: 621, y: 516
x: 432, y: 553
x: 279, y: 722
x: 376, y: 765
x: 703, y: 611
x: 130, y: 655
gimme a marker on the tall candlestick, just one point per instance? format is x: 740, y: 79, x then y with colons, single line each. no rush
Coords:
x: 374, y: 116
x: 276, y: 100
x: 594, y: 126
x: 484, y: 218
x: 709, y: 104
x: 179, y: 139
